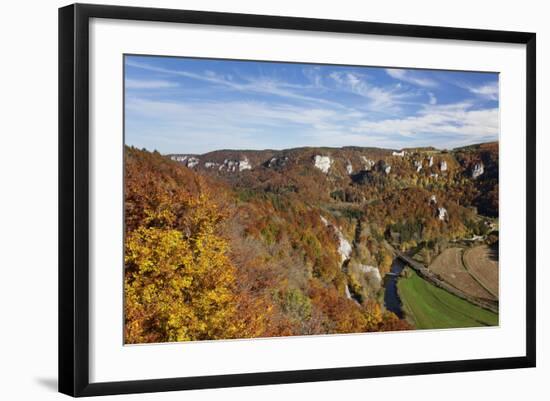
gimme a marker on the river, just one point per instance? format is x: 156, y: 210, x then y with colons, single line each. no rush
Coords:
x: 391, y: 297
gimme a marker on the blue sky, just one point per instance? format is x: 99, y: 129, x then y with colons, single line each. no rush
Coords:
x: 185, y: 105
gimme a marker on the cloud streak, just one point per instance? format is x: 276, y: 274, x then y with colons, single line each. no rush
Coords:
x: 411, y: 78
x: 254, y: 85
x: 252, y: 124
x: 386, y: 99
x: 148, y: 84
x: 488, y: 91
x: 457, y: 121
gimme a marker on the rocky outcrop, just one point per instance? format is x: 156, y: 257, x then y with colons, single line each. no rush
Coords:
x: 277, y: 162
x: 477, y: 170
x: 442, y: 213
x: 433, y: 200
x: 349, y: 168
x: 369, y: 164
x: 244, y: 165
x: 418, y: 165
x: 430, y: 161
x: 211, y: 164
x: 344, y: 246
x: 192, y: 162
x: 229, y: 165
x: 348, y: 293
x: 387, y: 169
x: 323, y: 163
x: 189, y: 161
x: 232, y: 166
x: 179, y: 158
x: 372, y: 272
x: 398, y: 154
x: 443, y: 165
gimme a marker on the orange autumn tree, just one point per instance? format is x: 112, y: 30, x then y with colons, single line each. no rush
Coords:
x: 178, y: 278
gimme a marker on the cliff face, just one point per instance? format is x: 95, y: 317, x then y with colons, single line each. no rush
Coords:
x: 316, y: 173
x: 480, y: 162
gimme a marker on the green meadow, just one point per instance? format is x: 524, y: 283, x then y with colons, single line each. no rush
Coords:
x: 430, y: 307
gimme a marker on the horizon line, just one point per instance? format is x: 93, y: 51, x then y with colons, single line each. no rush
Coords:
x: 315, y: 147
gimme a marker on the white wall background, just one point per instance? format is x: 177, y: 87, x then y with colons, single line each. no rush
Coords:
x: 28, y: 200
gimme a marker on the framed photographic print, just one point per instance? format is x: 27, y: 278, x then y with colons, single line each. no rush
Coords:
x: 249, y: 199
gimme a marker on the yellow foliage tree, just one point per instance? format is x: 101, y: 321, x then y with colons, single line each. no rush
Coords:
x: 179, y: 280
x: 386, y: 261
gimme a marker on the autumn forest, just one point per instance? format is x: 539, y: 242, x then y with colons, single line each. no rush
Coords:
x: 240, y: 244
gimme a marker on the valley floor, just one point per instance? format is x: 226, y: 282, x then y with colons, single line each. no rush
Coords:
x: 430, y: 307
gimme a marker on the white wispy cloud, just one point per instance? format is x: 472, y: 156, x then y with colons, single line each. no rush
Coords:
x: 208, y: 77
x: 232, y: 114
x: 314, y: 75
x: 148, y: 84
x: 487, y: 91
x: 411, y: 78
x: 206, y: 125
x: 382, y: 99
x: 260, y: 85
x: 458, y: 120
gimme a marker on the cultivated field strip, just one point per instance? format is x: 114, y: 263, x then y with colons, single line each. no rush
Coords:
x: 448, y: 265
x: 482, y: 263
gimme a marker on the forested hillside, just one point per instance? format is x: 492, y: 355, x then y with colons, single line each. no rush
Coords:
x: 238, y: 244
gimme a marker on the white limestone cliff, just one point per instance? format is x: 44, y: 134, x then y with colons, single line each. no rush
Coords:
x: 323, y: 163
x: 441, y: 213
x: 368, y: 163
x: 478, y: 170
x: 244, y: 165
x: 344, y: 246
x: 211, y: 164
x: 193, y: 162
x: 349, y: 168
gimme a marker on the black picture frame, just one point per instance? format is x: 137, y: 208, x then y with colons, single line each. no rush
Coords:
x: 74, y: 198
